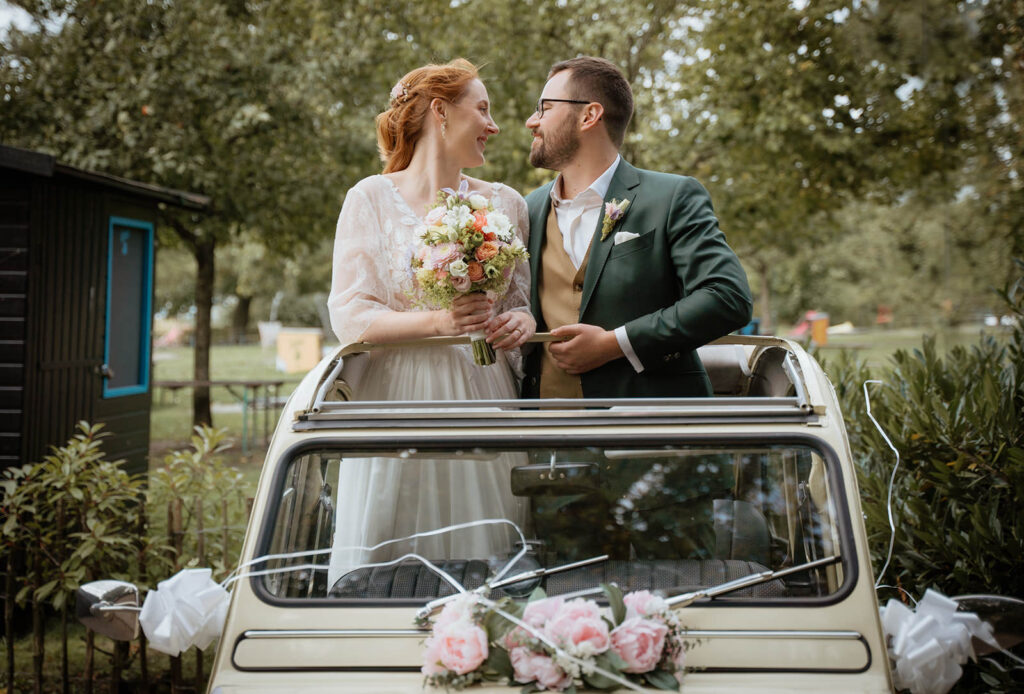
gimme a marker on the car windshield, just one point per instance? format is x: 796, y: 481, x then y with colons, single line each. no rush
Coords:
x: 383, y: 525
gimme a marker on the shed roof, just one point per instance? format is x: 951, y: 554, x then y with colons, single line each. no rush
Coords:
x: 40, y: 164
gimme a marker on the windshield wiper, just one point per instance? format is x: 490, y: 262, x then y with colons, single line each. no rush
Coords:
x: 434, y: 605
x: 746, y: 582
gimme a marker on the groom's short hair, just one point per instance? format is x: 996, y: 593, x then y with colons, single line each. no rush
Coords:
x: 601, y: 80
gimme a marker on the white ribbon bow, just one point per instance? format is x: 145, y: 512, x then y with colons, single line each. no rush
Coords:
x: 188, y: 609
x: 928, y: 645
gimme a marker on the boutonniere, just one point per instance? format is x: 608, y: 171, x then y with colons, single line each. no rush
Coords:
x: 613, y: 212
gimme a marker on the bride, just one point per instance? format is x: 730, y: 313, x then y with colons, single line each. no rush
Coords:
x: 438, y: 124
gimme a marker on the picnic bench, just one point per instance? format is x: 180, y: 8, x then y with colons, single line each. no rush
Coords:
x: 253, y: 394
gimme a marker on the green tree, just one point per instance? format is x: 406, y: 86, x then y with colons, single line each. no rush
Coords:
x: 211, y: 97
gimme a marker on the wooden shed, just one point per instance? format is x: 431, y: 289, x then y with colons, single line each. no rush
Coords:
x: 76, y: 296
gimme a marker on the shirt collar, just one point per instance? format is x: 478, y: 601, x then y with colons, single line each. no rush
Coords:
x: 599, y: 186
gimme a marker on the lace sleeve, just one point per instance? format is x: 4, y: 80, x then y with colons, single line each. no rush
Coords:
x: 513, y: 206
x: 517, y: 298
x: 359, y: 278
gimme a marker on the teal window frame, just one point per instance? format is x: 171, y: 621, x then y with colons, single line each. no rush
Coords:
x: 146, y: 322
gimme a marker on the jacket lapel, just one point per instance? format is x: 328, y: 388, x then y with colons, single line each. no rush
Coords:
x: 538, y: 225
x: 623, y: 187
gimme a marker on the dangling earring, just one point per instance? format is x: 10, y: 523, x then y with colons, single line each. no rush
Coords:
x: 444, y: 129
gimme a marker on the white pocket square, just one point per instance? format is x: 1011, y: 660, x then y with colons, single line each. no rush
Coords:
x: 623, y: 236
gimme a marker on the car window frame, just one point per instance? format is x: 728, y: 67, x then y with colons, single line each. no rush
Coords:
x: 385, y: 442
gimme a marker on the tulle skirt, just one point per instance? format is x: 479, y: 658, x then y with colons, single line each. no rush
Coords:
x: 385, y: 498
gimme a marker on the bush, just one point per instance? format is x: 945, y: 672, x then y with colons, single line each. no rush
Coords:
x: 958, y: 423
x: 77, y: 517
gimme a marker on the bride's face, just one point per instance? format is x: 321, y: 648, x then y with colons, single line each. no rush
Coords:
x: 469, y: 124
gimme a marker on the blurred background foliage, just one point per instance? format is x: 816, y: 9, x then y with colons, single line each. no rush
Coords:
x: 858, y: 153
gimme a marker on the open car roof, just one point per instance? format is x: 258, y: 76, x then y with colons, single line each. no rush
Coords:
x: 755, y: 379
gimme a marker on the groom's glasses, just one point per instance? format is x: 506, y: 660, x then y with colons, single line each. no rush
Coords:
x: 541, y: 107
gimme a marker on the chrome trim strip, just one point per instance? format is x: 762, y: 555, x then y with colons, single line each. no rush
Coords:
x: 410, y: 633
x: 773, y: 634
x: 330, y: 633
x: 553, y: 410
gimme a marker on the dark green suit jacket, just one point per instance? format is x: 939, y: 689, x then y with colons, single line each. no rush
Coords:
x: 675, y: 287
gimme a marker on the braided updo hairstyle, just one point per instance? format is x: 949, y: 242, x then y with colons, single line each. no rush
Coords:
x: 400, y: 127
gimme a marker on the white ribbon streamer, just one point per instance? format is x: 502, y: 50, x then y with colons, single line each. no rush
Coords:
x: 930, y: 643
x: 892, y: 480
x: 188, y: 609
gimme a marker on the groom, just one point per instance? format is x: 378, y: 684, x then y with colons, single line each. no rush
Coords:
x: 628, y: 264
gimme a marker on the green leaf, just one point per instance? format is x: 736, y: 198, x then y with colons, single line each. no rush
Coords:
x: 614, y: 661
x: 45, y: 589
x: 614, y: 595
x: 659, y: 679
x: 499, y: 662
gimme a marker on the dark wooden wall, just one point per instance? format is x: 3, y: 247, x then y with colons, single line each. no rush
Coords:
x: 14, y: 237
x: 63, y: 306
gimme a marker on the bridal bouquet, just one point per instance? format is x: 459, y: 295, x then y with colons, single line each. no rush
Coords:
x: 466, y: 246
x: 551, y: 644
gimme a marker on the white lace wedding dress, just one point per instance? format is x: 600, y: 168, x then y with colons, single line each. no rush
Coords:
x: 385, y: 498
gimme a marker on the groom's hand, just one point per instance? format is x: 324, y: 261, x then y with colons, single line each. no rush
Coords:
x: 587, y: 348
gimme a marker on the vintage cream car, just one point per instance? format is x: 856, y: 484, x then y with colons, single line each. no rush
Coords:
x: 677, y: 496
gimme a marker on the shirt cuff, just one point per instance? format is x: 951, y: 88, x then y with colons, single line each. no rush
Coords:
x: 627, y: 349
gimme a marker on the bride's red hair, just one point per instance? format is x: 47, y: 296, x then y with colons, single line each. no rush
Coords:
x: 400, y: 127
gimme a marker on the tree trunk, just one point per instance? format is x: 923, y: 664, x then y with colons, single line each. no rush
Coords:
x: 202, y: 248
x: 203, y: 251
x: 240, y: 320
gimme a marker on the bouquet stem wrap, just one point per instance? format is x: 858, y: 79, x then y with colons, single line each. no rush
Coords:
x: 483, y: 352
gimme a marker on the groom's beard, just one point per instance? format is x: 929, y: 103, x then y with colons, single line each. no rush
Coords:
x: 555, y: 149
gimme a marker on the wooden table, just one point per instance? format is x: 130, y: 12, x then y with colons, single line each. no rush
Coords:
x: 252, y: 393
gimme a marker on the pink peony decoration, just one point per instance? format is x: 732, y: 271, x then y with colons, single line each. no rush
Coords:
x: 462, y: 647
x: 643, y: 603
x: 578, y: 627
x: 537, y: 613
x: 536, y: 667
x: 432, y: 658
x: 640, y: 643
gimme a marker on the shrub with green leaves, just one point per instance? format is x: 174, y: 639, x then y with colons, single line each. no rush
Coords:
x: 958, y: 497
x: 75, y: 515
x: 204, y: 499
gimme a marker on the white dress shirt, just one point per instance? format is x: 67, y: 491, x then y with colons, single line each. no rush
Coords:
x: 577, y: 220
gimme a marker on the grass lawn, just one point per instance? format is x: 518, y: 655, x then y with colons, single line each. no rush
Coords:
x: 158, y: 664
x: 876, y: 345
x: 171, y: 419
x: 172, y: 411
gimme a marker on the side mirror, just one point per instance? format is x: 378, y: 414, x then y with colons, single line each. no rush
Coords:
x: 110, y: 608
x: 1006, y: 615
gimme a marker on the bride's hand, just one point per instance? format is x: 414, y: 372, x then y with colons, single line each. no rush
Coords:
x: 511, y: 329
x: 469, y: 312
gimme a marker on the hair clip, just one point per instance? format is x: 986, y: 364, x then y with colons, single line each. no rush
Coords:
x: 399, y: 93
